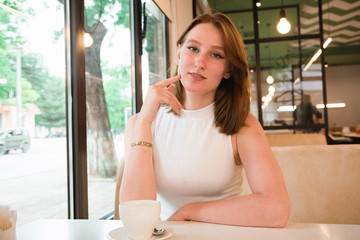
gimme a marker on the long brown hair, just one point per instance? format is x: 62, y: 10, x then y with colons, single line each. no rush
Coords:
x: 232, y: 98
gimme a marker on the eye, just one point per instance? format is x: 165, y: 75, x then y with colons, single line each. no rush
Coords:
x: 192, y: 49
x: 216, y: 55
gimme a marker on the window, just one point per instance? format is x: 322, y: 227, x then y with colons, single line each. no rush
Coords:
x: 38, y: 93
x: 33, y: 178
x: 108, y: 97
x: 154, y: 61
x: 284, y: 91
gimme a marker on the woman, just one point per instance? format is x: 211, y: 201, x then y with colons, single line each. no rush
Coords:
x: 188, y: 144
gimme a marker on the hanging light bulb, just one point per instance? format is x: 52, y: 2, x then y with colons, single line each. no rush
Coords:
x: 283, y: 25
x: 270, y: 79
x: 88, y: 40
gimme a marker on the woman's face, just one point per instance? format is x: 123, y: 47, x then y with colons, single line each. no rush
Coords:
x: 201, y: 60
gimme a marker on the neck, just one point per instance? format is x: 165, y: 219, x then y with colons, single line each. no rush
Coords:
x: 197, y: 101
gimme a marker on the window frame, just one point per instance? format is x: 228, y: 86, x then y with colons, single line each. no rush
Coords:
x: 78, y: 205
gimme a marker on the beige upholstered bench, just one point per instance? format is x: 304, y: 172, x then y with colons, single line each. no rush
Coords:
x: 323, y: 182
x: 290, y: 139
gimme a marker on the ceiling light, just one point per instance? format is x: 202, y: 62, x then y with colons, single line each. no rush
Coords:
x: 258, y: 3
x: 317, y: 54
x: 327, y: 42
x: 271, y: 89
x: 283, y: 25
x: 286, y: 108
x: 297, y: 81
x: 270, y: 79
x: 331, y: 105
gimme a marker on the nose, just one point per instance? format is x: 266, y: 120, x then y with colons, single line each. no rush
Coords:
x: 200, y: 61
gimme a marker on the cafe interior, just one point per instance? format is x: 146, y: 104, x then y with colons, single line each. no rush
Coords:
x: 82, y: 69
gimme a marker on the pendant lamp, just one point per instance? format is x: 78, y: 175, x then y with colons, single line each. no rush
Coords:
x: 283, y: 25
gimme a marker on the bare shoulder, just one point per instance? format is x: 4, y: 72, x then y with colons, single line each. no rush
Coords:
x: 251, y: 141
x: 252, y: 126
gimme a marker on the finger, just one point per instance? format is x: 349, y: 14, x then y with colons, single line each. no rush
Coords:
x: 174, y: 103
x: 167, y: 82
x: 175, y: 100
x: 171, y: 87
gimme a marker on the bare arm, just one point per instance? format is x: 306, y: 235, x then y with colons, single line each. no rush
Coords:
x: 267, y: 206
x: 138, y: 180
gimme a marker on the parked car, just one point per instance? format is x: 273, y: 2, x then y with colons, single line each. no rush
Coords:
x: 13, y: 139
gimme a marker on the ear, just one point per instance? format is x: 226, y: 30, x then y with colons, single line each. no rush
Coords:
x: 227, y: 74
x: 178, y: 52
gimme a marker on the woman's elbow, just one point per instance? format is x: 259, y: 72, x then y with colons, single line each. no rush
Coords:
x: 280, y: 213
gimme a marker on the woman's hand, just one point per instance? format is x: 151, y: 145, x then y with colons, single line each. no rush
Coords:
x: 159, y: 93
x: 180, y: 214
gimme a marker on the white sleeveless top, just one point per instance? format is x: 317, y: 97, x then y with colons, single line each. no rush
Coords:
x: 192, y: 161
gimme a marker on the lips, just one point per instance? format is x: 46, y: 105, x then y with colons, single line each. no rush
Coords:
x: 197, y: 76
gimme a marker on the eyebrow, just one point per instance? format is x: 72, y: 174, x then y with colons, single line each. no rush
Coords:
x: 197, y: 42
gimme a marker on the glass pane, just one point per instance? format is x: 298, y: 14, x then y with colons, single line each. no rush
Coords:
x: 250, y: 51
x: 33, y: 164
x: 310, y: 105
x: 108, y: 97
x: 244, y: 24
x: 279, y: 61
x: 153, y: 60
x: 290, y: 95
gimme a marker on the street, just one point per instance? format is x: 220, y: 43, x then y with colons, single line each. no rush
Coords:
x: 35, y: 183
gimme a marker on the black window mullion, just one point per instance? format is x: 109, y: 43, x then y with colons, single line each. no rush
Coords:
x: 258, y: 64
x: 76, y: 109
x: 136, y: 41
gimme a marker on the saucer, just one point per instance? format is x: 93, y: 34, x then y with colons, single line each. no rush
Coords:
x: 121, y: 234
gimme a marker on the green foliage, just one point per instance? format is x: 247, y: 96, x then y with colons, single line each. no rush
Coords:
x: 7, y: 73
x: 52, y: 104
x: 96, y: 8
x: 34, y: 71
x: 28, y: 94
x: 49, y: 91
x: 46, y: 91
x: 115, y: 95
x: 123, y: 16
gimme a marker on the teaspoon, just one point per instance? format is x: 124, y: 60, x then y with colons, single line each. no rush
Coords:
x: 158, y: 232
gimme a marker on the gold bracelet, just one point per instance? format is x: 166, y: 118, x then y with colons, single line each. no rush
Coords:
x: 141, y: 143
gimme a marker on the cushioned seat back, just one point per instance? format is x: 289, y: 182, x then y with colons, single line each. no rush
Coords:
x: 323, y: 182
x: 289, y: 139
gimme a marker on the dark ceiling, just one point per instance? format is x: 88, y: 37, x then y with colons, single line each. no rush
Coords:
x: 341, y: 22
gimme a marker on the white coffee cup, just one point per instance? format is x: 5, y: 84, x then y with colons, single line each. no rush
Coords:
x: 139, y: 217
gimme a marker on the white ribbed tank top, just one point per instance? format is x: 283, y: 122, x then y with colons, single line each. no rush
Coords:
x: 192, y: 160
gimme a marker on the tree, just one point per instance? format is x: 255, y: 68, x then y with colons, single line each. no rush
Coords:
x: 51, y: 104
x: 10, y: 42
x: 101, y: 151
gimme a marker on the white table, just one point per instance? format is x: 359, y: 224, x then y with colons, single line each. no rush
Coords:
x: 97, y: 229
